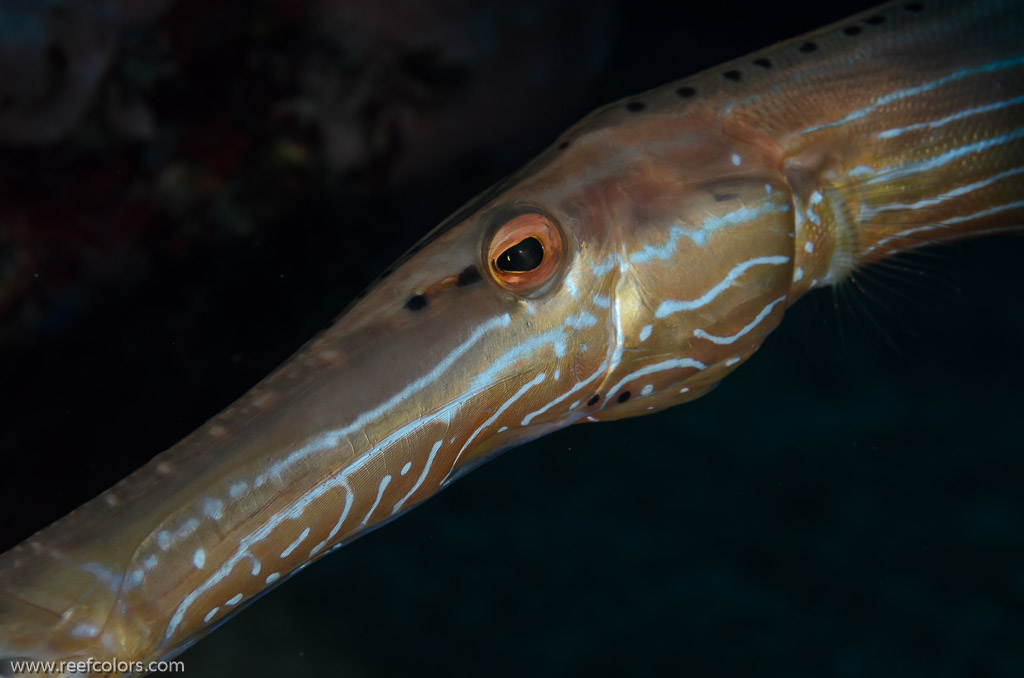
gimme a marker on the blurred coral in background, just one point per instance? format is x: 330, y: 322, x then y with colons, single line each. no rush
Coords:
x: 134, y: 132
x: 53, y: 56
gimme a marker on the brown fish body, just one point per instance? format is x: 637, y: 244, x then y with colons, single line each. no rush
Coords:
x: 771, y: 184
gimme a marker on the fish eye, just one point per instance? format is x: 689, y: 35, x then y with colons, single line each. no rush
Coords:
x: 524, y: 252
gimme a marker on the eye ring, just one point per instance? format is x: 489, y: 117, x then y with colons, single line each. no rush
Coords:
x: 525, y: 252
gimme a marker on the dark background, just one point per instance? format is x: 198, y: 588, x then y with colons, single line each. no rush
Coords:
x: 847, y: 504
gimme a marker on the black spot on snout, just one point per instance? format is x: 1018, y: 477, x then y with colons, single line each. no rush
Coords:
x: 635, y: 106
x: 875, y: 20
x: 417, y: 302
x: 685, y: 92
x: 852, y: 30
x: 468, y: 276
x: 809, y: 47
x: 763, y: 63
x: 733, y: 75
x: 564, y: 145
x: 593, y: 400
x: 624, y: 396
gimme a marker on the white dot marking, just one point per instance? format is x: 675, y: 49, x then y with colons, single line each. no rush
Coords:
x: 214, y: 508
x: 135, y: 578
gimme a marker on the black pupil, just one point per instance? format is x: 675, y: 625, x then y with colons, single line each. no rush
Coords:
x: 525, y: 255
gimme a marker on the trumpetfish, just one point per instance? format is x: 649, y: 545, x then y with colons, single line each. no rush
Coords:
x: 636, y: 262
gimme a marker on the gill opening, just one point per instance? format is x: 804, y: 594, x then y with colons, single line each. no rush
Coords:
x: 620, y: 273
x: 845, y: 237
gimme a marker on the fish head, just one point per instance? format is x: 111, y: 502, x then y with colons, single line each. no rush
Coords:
x: 615, y: 275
